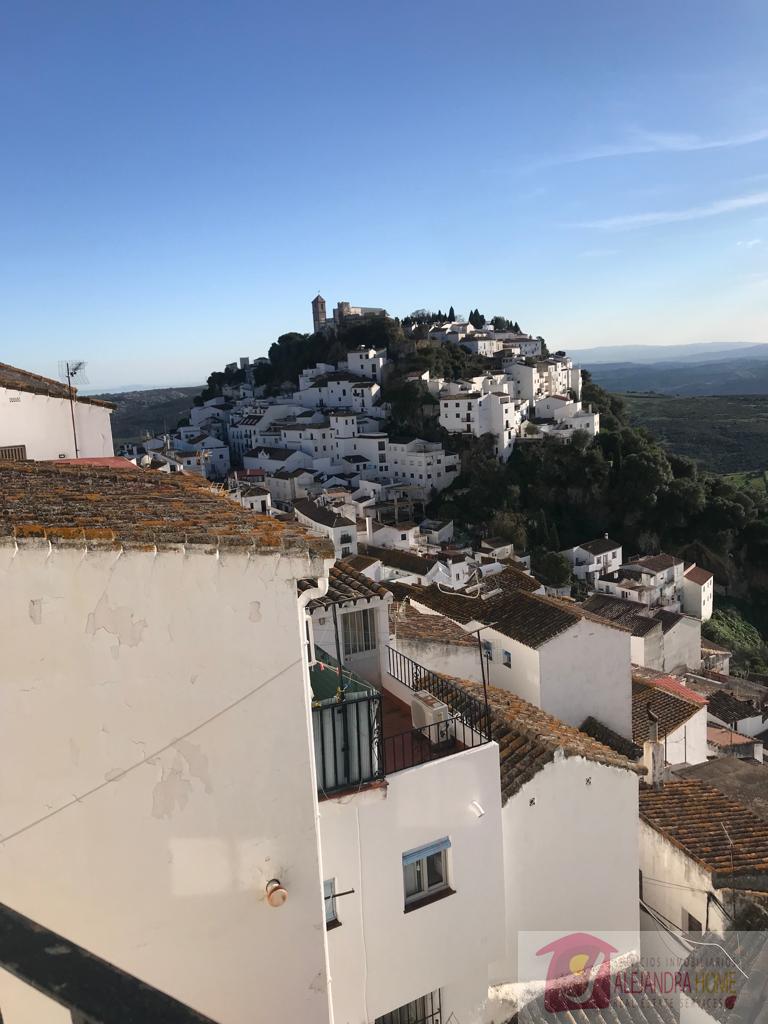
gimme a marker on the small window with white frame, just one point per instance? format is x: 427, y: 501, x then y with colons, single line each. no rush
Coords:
x: 425, y: 872
x: 359, y: 631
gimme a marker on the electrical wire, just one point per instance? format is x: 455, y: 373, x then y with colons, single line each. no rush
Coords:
x: 145, y: 760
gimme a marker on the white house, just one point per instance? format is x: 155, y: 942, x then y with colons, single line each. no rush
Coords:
x: 680, y: 714
x: 698, y: 591
x: 341, y: 531
x: 549, y: 652
x: 367, y: 362
x: 662, y: 640
x: 410, y: 825
x: 171, y: 778
x: 593, y: 557
x: 478, y: 412
x: 38, y: 421
x: 702, y: 854
x: 654, y: 580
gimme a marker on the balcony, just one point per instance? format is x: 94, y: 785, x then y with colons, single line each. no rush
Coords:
x: 362, y: 735
x: 91, y: 989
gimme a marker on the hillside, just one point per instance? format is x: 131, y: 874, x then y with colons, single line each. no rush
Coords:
x: 724, y: 433
x: 740, y: 375
x: 139, y: 413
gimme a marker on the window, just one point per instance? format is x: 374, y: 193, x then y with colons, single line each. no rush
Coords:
x: 359, y: 631
x: 345, y: 552
x: 14, y: 453
x: 424, y: 1010
x: 329, y: 892
x: 403, y: 536
x: 506, y: 657
x: 488, y: 650
x: 425, y: 872
x: 692, y: 924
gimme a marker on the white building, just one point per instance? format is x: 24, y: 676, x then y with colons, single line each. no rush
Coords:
x: 367, y: 362
x: 38, y: 421
x: 341, y: 390
x: 662, y: 640
x: 702, y: 854
x: 478, y: 411
x: 654, y: 580
x: 410, y: 826
x: 680, y: 715
x: 593, y: 558
x: 424, y: 463
x: 546, y: 651
x: 698, y: 592
x: 171, y: 777
x: 339, y: 530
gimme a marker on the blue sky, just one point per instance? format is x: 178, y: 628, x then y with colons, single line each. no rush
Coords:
x: 178, y: 179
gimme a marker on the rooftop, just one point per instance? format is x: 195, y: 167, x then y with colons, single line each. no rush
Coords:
x: 406, y: 623
x: 600, y: 546
x: 719, y: 736
x: 672, y: 707
x: 698, y: 819
x: 529, y: 738
x: 396, y: 558
x: 698, y: 575
x: 618, y: 610
x: 88, y: 505
x: 472, y: 604
x: 600, y: 732
x: 344, y: 584
x: 743, y: 780
x: 23, y: 380
x: 321, y: 515
x: 657, y: 563
x: 728, y: 708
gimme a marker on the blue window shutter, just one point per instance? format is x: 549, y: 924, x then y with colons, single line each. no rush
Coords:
x: 426, y: 851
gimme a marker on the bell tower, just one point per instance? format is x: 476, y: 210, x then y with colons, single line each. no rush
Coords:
x: 318, y: 313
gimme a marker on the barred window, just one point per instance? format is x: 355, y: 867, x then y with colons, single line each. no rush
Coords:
x: 359, y: 631
x: 424, y: 1010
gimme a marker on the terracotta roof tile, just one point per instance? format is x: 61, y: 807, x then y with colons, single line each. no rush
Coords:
x: 698, y: 818
x: 671, y: 709
x: 345, y: 584
x: 88, y: 505
x: 698, y: 575
x: 321, y: 514
x: 408, y: 624
x: 728, y: 708
x: 529, y: 737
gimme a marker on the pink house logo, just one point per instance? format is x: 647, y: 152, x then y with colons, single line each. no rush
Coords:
x: 579, y: 973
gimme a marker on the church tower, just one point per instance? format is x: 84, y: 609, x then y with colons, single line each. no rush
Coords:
x: 318, y: 313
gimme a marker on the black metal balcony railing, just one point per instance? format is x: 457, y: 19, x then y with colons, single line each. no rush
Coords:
x: 347, y: 739
x: 472, y: 713
x: 427, y: 743
x: 93, y: 990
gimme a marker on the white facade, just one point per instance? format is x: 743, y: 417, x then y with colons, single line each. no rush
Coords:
x: 590, y: 560
x: 40, y: 426
x: 676, y: 886
x: 698, y: 593
x: 383, y: 957
x: 423, y: 463
x: 160, y: 866
x: 570, y: 855
x: 480, y: 412
x: 367, y: 362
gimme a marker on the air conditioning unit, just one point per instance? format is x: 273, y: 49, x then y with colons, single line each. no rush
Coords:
x: 431, y: 715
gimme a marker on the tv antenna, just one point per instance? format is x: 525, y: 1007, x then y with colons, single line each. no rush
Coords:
x: 70, y: 370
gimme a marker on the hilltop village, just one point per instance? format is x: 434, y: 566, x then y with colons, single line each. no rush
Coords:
x: 389, y: 757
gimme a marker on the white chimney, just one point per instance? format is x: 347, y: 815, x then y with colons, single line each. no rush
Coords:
x: 653, y: 753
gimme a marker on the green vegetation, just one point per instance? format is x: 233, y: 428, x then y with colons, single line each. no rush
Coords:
x: 727, y: 627
x: 724, y: 433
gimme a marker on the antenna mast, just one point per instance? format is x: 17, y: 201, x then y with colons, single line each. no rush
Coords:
x: 69, y: 369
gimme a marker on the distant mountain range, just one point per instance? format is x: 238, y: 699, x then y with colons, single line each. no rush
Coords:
x: 716, y: 368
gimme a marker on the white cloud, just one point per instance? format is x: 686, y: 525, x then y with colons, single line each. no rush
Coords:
x: 641, y: 220
x: 639, y: 141
x: 750, y: 243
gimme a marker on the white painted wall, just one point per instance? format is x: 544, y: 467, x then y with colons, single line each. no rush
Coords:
x: 587, y: 671
x: 458, y: 660
x: 571, y: 857
x: 688, y: 743
x: 673, y: 884
x: 44, y: 425
x: 682, y: 645
x: 162, y: 870
x: 381, y: 957
x: 523, y: 675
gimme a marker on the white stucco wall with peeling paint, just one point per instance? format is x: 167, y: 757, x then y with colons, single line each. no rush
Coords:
x: 43, y: 424
x: 130, y: 826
